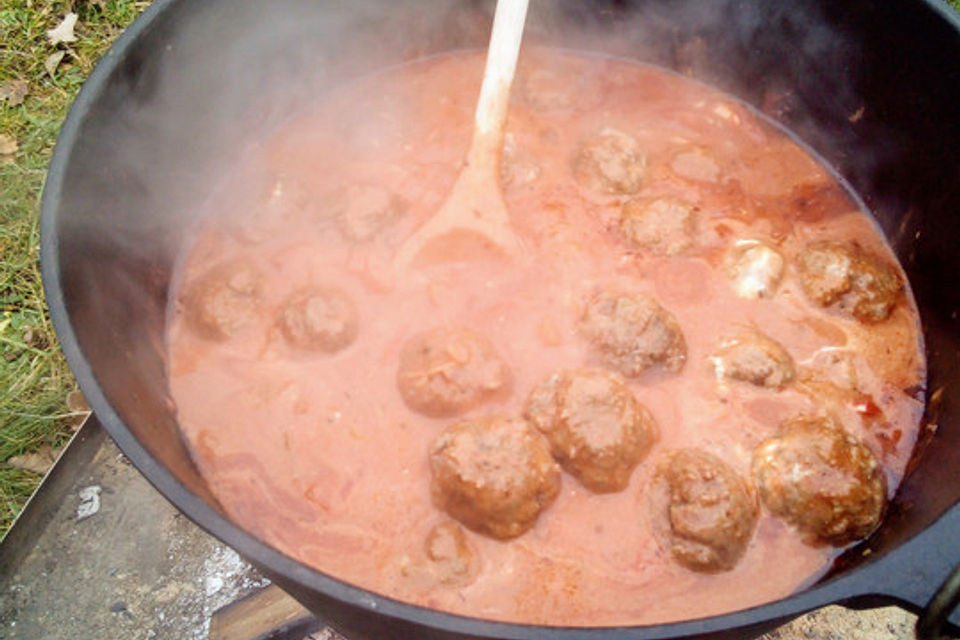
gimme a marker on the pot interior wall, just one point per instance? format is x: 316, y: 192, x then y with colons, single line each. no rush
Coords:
x: 872, y: 86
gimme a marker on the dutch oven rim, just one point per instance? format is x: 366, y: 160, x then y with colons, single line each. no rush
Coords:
x: 857, y: 584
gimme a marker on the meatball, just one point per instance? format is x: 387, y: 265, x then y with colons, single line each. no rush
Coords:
x: 494, y: 474
x: 753, y: 357
x: 610, y: 162
x: 318, y: 319
x: 450, y: 557
x: 596, y: 428
x: 224, y: 300
x: 860, y: 282
x: 821, y: 479
x: 448, y: 370
x: 755, y: 268
x: 663, y: 226
x: 705, y: 512
x: 632, y: 333
x: 363, y: 211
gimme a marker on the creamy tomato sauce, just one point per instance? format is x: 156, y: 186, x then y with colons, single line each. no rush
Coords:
x: 316, y: 452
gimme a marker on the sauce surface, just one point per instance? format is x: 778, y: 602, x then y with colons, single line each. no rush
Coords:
x: 318, y: 454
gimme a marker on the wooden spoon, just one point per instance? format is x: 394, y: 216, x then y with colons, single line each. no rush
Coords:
x: 474, y: 220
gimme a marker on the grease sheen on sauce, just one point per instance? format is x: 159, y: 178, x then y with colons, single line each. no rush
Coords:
x: 317, y: 454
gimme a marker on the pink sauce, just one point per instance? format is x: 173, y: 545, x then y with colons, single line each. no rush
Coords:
x: 318, y: 455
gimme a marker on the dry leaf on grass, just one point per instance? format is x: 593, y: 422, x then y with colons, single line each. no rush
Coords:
x: 39, y: 461
x: 33, y: 337
x: 14, y: 91
x: 53, y: 61
x: 63, y: 32
x: 8, y: 147
x: 76, y: 403
x: 79, y: 409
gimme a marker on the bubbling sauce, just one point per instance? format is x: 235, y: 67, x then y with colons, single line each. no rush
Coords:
x: 636, y: 193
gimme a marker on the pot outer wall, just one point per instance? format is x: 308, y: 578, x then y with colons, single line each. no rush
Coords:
x: 872, y: 86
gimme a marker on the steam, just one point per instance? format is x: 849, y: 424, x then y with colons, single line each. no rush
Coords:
x: 212, y: 79
x: 208, y: 80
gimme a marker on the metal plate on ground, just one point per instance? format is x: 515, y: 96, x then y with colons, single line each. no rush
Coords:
x: 99, y: 554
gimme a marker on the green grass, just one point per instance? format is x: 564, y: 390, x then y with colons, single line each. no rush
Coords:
x: 34, y: 378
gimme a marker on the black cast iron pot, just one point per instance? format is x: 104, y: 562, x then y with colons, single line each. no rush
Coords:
x: 871, y: 85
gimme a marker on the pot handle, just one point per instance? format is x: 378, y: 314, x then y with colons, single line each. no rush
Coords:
x: 936, y: 616
x: 923, y: 576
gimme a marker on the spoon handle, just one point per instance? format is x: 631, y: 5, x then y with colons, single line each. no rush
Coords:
x: 508, y: 22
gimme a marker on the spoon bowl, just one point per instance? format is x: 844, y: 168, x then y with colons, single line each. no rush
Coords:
x: 473, y: 223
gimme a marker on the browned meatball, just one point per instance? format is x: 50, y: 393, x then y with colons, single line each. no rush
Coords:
x: 664, y: 226
x: 633, y: 333
x: 451, y: 559
x: 755, y: 358
x: 318, y: 319
x: 610, y: 162
x: 363, y: 211
x: 494, y: 474
x: 597, y: 430
x: 859, y: 282
x: 821, y: 479
x: 704, y: 511
x: 224, y: 300
x: 449, y: 370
